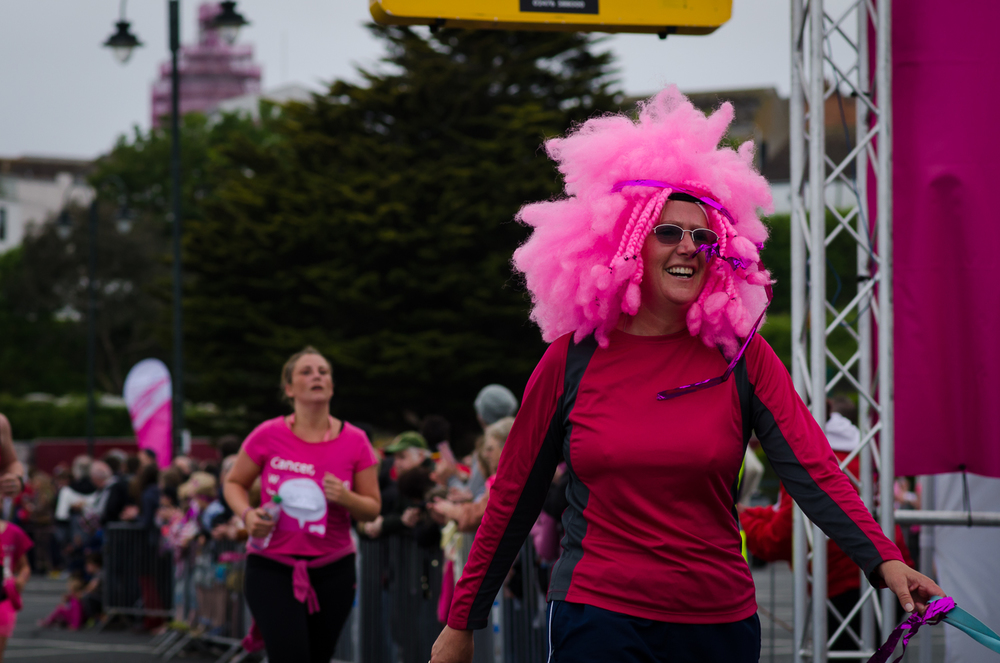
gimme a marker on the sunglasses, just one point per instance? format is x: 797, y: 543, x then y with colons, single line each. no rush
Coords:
x: 672, y: 235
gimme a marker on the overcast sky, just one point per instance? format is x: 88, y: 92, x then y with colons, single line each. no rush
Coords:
x: 61, y: 94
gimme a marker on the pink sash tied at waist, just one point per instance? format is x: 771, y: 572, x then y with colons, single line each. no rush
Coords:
x: 301, y: 587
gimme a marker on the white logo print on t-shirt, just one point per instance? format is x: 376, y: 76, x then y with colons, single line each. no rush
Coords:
x: 303, y: 501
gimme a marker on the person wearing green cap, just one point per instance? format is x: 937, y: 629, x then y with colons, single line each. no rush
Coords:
x: 409, y: 451
x: 411, y: 439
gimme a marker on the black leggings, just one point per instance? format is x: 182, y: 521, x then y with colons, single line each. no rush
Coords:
x: 290, y: 632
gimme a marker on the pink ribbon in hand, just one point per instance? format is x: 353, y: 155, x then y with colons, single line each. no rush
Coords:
x: 936, y: 610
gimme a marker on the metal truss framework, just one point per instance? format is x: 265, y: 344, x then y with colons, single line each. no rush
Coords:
x: 831, y: 57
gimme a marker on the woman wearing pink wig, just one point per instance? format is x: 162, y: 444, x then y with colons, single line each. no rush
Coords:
x: 646, y: 280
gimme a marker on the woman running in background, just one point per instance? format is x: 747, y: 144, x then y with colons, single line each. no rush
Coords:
x: 300, y: 587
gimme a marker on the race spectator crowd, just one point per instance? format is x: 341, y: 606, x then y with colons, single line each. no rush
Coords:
x: 428, y: 495
x: 66, y: 513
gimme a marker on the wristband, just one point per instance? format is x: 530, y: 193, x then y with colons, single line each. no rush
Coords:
x: 243, y: 516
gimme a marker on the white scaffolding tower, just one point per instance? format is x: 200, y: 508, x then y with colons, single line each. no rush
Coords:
x: 832, y: 55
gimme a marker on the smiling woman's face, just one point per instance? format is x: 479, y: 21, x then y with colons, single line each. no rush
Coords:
x: 673, y: 276
x: 312, y: 380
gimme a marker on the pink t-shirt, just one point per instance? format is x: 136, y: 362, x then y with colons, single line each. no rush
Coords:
x: 294, y: 469
x: 14, y: 543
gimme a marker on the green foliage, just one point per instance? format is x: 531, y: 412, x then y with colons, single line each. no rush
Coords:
x: 376, y: 223
x: 67, y: 417
x: 37, y: 351
x: 44, y: 303
x: 841, y: 260
x: 841, y: 287
x: 777, y: 331
x: 64, y: 418
x: 43, y: 283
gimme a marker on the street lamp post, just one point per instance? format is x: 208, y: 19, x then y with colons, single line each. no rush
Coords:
x: 228, y: 22
x: 91, y: 322
x: 175, y: 179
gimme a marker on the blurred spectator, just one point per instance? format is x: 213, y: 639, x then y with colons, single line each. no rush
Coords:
x: 40, y: 506
x: 416, y: 490
x: 448, y: 471
x: 115, y: 458
x: 170, y: 480
x: 145, y: 490
x: 146, y: 457
x: 217, y: 518
x: 69, y: 613
x: 132, y: 465
x: 409, y: 450
x: 185, y: 465
x: 494, y: 402
x: 82, y: 600
x: 117, y: 498
x: 468, y: 515
x: 70, y: 503
x: 181, y: 525
x: 101, y: 476
x: 91, y: 599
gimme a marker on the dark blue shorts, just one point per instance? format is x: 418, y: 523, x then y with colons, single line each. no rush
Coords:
x: 584, y: 634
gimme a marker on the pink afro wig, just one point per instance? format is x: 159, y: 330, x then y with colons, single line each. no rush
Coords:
x: 582, y: 263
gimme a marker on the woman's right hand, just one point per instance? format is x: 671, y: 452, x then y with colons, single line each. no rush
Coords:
x: 259, y: 525
x: 452, y: 646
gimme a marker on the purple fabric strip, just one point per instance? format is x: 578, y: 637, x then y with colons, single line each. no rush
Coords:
x: 668, y: 394
x: 712, y: 250
x: 714, y: 204
x: 936, y: 611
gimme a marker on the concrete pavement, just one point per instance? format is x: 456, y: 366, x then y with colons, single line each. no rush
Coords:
x: 122, y: 645
x: 56, y: 645
x: 777, y: 616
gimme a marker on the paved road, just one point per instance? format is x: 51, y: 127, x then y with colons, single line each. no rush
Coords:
x: 125, y: 646
x: 62, y: 646
x: 776, y: 618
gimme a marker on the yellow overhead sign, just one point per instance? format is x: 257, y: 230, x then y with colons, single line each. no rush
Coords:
x: 686, y: 17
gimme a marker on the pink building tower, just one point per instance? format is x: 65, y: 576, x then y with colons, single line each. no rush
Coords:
x: 210, y: 71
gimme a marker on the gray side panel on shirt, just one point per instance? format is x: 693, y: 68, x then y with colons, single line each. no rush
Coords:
x: 536, y: 486
x: 813, y: 500
x: 745, y: 391
x: 577, y: 494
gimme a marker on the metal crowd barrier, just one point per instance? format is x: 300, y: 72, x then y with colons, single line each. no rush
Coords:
x: 208, y: 589
x: 139, y: 578
x: 525, y: 616
x: 399, y: 586
x: 395, y: 611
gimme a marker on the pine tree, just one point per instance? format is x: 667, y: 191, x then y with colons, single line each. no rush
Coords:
x: 376, y: 223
